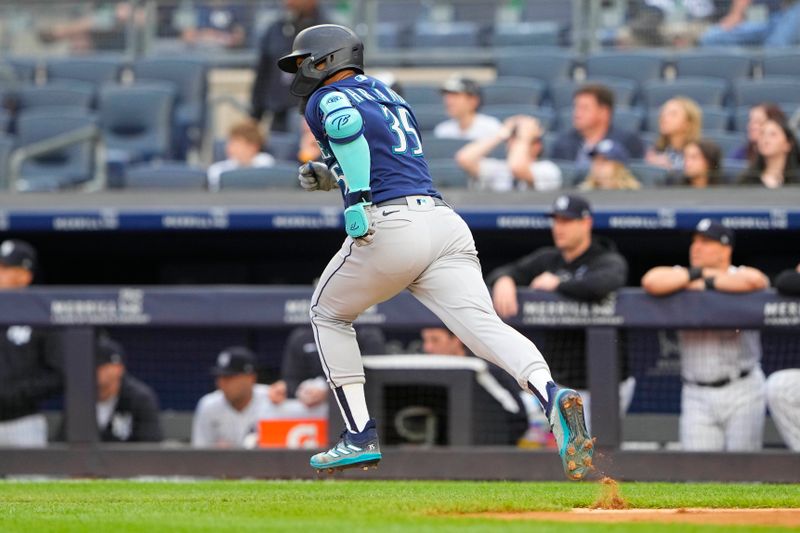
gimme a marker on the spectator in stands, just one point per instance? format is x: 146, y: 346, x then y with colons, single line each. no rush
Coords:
x: 608, y: 170
x: 127, y: 409
x: 522, y: 168
x: 783, y: 392
x: 228, y: 417
x: 593, y: 109
x: 758, y: 116
x: 270, y: 93
x: 679, y: 123
x: 302, y: 376
x: 723, y: 402
x: 702, y: 168
x: 30, y: 359
x: 244, y: 149
x: 514, y: 423
x: 217, y: 24
x: 103, y: 26
x: 580, y: 266
x: 462, y: 99
x: 778, y: 160
x: 780, y: 29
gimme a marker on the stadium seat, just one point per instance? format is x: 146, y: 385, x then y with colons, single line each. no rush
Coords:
x: 543, y: 33
x: 165, y: 175
x: 66, y: 166
x: 752, y: 92
x: 544, y: 64
x: 636, y: 66
x: 522, y: 91
x: 562, y: 92
x: 5, y: 121
x: 191, y: 83
x: 539, y: 10
x: 434, y: 148
x: 402, y: 12
x: 95, y: 70
x: 781, y: 63
x: 728, y: 142
x: 445, y: 35
x: 447, y: 174
x: 422, y: 95
x: 740, y: 118
x: 647, y: 174
x: 23, y: 68
x: 545, y: 115
x: 63, y: 93
x: 136, y: 120
x: 281, y: 176
x: 724, y: 64
x: 429, y: 116
x: 732, y: 169
x: 570, y: 175
x: 715, y: 119
x: 704, y: 91
x: 7, y: 143
x: 283, y: 146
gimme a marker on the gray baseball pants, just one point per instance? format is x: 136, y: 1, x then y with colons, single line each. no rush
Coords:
x: 428, y: 250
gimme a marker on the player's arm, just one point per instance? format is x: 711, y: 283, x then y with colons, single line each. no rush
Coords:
x: 344, y: 127
x: 202, y: 432
x: 788, y: 282
x: 519, y: 152
x: 744, y: 279
x: 608, y: 274
x: 663, y: 280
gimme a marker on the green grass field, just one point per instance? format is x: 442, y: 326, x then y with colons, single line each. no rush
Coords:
x: 332, y: 505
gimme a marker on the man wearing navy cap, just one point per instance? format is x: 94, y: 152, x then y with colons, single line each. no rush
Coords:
x: 30, y: 359
x: 722, y: 401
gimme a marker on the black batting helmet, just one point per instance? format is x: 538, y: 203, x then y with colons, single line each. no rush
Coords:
x: 339, y: 47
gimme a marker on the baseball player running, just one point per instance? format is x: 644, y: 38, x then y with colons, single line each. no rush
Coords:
x: 400, y: 235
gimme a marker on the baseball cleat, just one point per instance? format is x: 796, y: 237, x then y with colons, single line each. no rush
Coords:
x: 575, y: 445
x: 354, y: 450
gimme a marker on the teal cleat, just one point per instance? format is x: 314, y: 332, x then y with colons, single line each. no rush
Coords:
x: 575, y: 445
x: 354, y: 450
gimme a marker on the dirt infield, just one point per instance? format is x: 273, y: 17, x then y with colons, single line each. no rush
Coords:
x: 724, y: 517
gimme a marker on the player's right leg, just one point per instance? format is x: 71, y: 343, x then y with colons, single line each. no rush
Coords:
x: 783, y: 398
x: 453, y: 288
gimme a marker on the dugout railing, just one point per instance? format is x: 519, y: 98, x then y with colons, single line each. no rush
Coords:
x: 78, y: 311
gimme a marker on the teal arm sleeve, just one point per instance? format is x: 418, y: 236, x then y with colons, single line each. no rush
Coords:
x: 345, y: 128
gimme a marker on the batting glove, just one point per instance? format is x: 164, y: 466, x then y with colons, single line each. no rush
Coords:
x: 314, y: 176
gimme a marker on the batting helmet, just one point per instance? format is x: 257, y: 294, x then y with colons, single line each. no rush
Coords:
x: 338, y: 47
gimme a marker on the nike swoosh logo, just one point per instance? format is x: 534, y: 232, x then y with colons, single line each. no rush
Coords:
x: 387, y: 213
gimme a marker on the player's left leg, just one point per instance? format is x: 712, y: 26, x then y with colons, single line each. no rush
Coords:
x: 747, y: 405
x: 453, y: 288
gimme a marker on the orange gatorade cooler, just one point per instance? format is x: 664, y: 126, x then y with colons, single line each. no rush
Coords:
x: 293, y: 433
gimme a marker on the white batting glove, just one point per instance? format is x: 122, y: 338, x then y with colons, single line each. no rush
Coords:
x: 368, y: 237
x: 316, y: 176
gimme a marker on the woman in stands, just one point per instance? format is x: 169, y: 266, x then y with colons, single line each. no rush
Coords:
x: 758, y: 116
x: 701, y: 165
x: 608, y: 170
x: 679, y: 123
x: 778, y: 160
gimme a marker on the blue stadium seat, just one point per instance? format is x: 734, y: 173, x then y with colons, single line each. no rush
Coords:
x: 636, y: 66
x: 545, y: 64
x: 64, y: 93
x: 422, y: 94
x: 5, y: 121
x: 402, y: 12
x: 545, y: 115
x: 24, y: 68
x: 7, y: 143
x: 704, y: 91
x: 728, y: 142
x: 445, y: 35
x: 441, y: 148
x: 136, y: 120
x: 562, y: 92
x: 447, y: 174
x: 96, y: 70
x: 543, y: 33
x: 741, y: 117
x: 781, y: 63
x: 165, y: 175
x: 190, y: 79
x: 428, y: 116
x: 522, y: 91
x: 729, y: 65
x: 553, y: 11
x: 647, y: 174
x: 64, y: 167
x: 715, y: 119
x: 281, y: 176
x: 570, y: 175
x: 752, y: 92
x: 283, y: 146
x: 732, y: 169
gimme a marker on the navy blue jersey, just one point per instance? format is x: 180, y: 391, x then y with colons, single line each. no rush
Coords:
x: 398, y: 166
